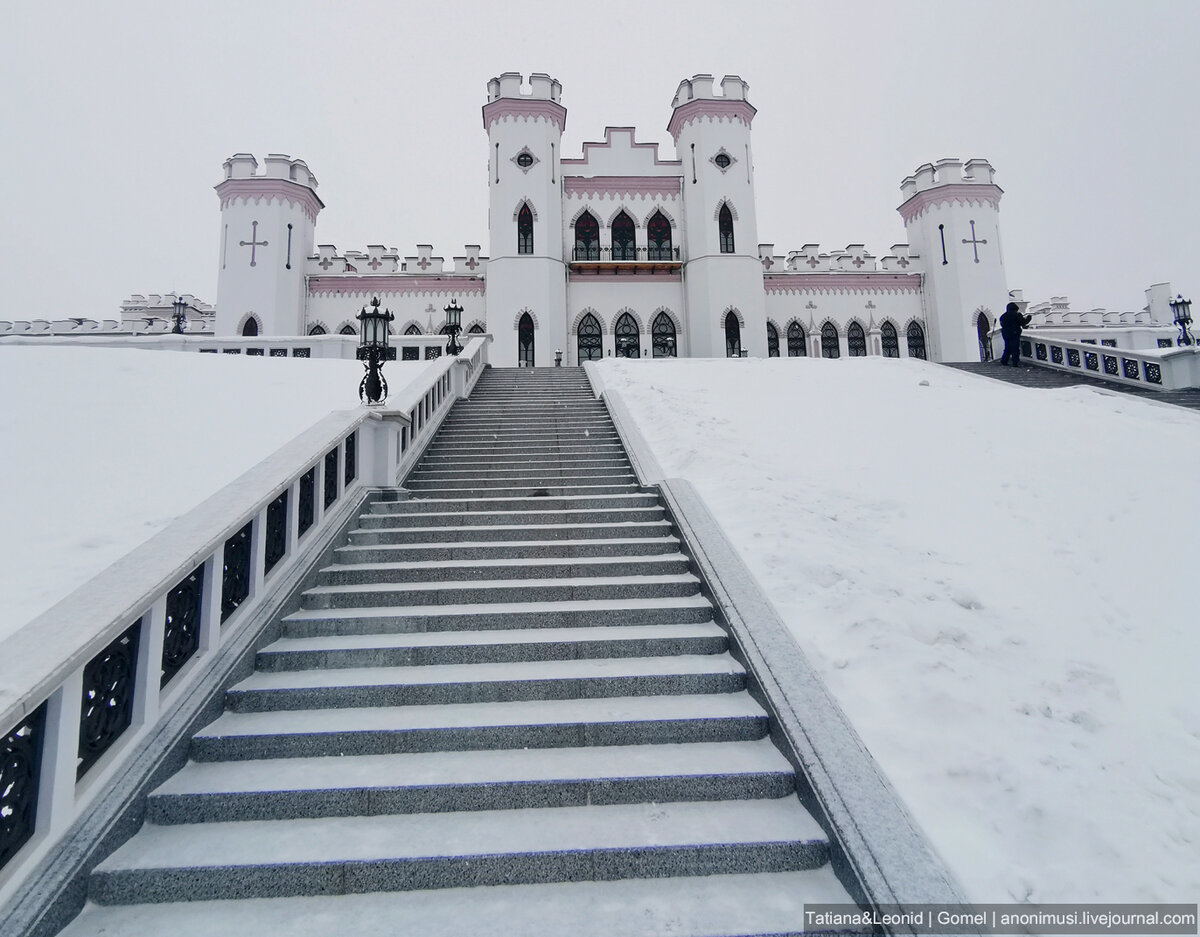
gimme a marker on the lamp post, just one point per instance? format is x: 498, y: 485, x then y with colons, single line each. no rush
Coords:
x: 1182, y: 309
x: 453, y: 326
x: 374, y: 349
x: 180, y: 316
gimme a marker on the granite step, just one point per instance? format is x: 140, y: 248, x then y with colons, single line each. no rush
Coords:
x: 344, y: 574
x: 464, y: 551
x: 467, y: 518
x: 492, y: 502
x: 512, y: 532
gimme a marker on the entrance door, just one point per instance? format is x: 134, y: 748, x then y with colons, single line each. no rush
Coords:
x: 525, y: 341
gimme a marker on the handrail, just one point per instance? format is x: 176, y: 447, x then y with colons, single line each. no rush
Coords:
x: 1154, y: 369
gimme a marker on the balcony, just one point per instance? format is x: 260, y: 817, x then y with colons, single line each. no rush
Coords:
x: 594, y: 259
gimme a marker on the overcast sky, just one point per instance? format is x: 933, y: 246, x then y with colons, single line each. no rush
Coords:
x: 116, y: 118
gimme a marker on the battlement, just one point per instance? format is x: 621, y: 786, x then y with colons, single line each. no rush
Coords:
x: 378, y: 260
x: 700, y: 87
x: 275, y: 166
x: 948, y: 172
x: 509, y: 85
x: 854, y: 259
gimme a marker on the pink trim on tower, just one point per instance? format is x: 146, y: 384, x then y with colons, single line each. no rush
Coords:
x: 710, y: 107
x: 529, y: 110
x: 962, y: 192
x: 395, y: 284
x: 261, y: 187
x: 596, y: 186
x: 842, y: 282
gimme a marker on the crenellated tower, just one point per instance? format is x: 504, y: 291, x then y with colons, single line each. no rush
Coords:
x: 526, y: 272
x: 268, y: 224
x: 951, y: 211
x: 722, y: 271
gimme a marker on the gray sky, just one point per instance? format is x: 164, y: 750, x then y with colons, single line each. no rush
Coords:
x: 116, y: 118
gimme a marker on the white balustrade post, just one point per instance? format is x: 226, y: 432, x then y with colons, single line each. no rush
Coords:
x: 149, y: 663
x: 210, y: 606
x: 60, y: 756
x: 258, y: 553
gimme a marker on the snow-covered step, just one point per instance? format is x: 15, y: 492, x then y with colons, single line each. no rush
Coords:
x: 437, y: 518
x: 506, y: 568
x: 436, y: 782
x: 500, y: 591
x: 401, y: 852
x: 503, y: 615
x: 698, y: 906
x: 529, y: 471
x: 488, y: 502
x: 528, y: 491
x: 472, y: 647
x: 514, y: 549
x: 638, y: 720
x: 438, y: 684
x: 619, y: 474
x: 594, y: 531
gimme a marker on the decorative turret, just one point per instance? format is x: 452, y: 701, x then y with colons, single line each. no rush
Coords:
x: 723, y: 272
x: 951, y: 210
x: 268, y: 223
x: 525, y: 276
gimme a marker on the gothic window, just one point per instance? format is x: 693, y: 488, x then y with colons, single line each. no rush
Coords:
x: 733, y: 336
x: 856, y: 340
x: 347, y: 330
x: 725, y: 229
x: 829, y: 341
x: 658, y: 234
x: 629, y: 342
x: 983, y: 328
x: 588, y: 339
x: 797, y: 341
x: 772, y: 341
x: 475, y: 329
x: 525, y: 341
x: 587, y: 237
x: 317, y: 330
x: 890, y: 341
x: 251, y: 326
x: 622, y: 238
x: 412, y: 330
x: 916, y: 340
x: 662, y: 336
x: 525, y: 230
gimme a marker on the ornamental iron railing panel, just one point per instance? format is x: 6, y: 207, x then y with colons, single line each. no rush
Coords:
x: 1131, y: 369
x: 1109, y: 342
x: 1041, y: 351
x: 1073, y: 357
x: 300, y: 352
x: 331, y: 478
x: 235, y: 583
x: 410, y: 353
x: 1026, y: 349
x: 254, y: 352
x: 181, y: 634
x: 1056, y: 354
x: 306, y: 501
x: 1153, y: 373
x: 278, y: 352
x: 1110, y: 364
x: 1166, y: 343
x: 276, y: 537
x: 1091, y: 361
x: 20, y: 778
x: 108, y: 687
x: 431, y: 352
x: 351, y: 457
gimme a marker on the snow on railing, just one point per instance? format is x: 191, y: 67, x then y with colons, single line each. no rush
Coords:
x: 88, y: 681
x: 1165, y: 369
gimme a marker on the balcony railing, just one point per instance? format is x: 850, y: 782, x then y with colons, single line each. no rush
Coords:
x: 597, y: 254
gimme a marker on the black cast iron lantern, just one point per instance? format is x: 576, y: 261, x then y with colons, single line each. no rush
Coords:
x: 1182, y: 310
x: 180, y: 316
x: 374, y: 349
x: 453, y: 326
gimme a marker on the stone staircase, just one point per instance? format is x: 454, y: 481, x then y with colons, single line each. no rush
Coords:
x: 1032, y: 374
x: 508, y: 678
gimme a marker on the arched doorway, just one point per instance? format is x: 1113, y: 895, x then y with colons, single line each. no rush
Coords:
x: 733, y: 336
x: 856, y: 340
x: 916, y: 340
x: 525, y: 341
x: 628, y: 340
x: 797, y: 341
x: 662, y: 336
x: 623, y: 244
x: 588, y: 341
x: 587, y: 237
x: 983, y: 329
x: 829, y: 341
x: 772, y: 341
x: 889, y: 340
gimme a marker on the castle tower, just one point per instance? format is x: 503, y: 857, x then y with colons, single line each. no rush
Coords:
x: 526, y: 274
x: 268, y: 224
x: 951, y: 211
x: 722, y: 271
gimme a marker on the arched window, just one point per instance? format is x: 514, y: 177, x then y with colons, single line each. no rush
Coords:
x: 317, y: 330
x: 725, y: 229
x: 662, y: 336
x: 658, y: 234
x: 984, y: 329
x: 829, y: 341
x: 588, y: 339
x: 622, y: 238
x: 347, y: 330
x: 916, y: 340
x: 856, y: 340
x: 797, y: 341
x: 251, y: 326
x: 412, y: 330
x: 733, y: 336
x: 629, y: 342
x: 476, y: 329
x: 525, y: 341
x: 891, y: 343
x: 587, y: 237
x: 772, y: 341
x: 525, y: 230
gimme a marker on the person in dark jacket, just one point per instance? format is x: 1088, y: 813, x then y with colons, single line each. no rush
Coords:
x: 1011, y: 324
